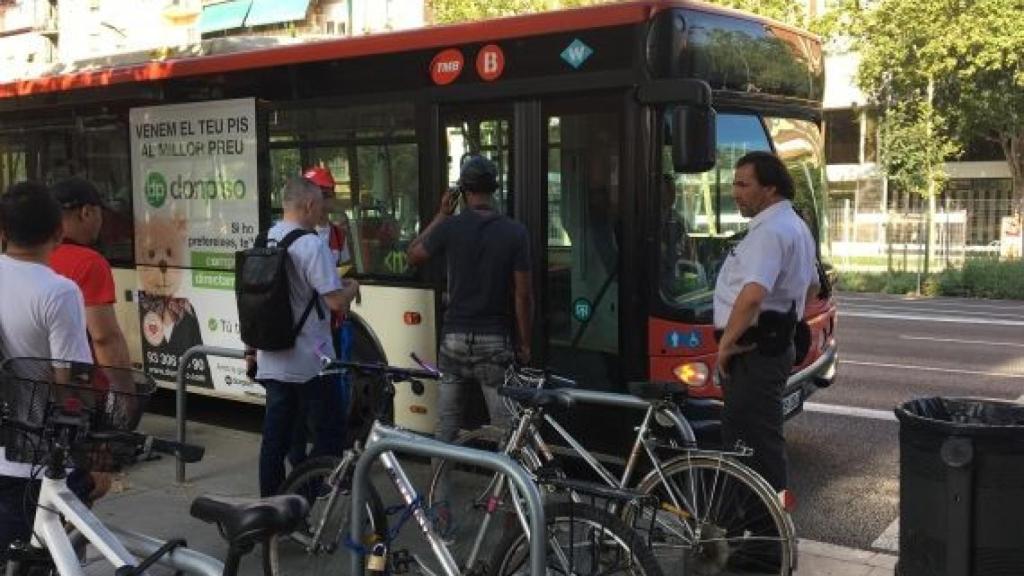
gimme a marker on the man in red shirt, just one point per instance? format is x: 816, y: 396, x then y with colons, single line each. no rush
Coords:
x: 74, y: 259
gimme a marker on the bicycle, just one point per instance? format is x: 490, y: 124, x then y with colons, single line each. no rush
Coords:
x: 327, y: 483
x: 716, y: 515
x: 55, y: 415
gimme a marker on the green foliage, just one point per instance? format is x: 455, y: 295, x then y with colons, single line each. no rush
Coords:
x: 912, y: 150
x: 982, y: 278
x: 971, y: 51
x: 447, y: 11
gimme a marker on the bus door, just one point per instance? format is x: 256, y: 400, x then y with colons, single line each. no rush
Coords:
x: 581, y: 262
x: 480, y: 130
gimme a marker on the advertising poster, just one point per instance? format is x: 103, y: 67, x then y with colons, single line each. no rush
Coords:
x: 195, y: 201
x: 1010, y: 237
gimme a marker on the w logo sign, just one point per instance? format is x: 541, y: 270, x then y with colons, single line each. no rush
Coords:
x: 576, y: 53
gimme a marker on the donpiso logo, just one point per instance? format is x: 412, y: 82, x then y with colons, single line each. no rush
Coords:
x: 156, y: 189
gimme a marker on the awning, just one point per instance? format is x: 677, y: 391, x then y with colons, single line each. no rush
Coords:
x: 223, y: 16
x: 274, y: 11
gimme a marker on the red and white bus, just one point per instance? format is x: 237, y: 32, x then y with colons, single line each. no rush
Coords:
x: 614, y: 127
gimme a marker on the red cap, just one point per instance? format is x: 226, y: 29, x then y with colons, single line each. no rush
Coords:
x: 321, y: 176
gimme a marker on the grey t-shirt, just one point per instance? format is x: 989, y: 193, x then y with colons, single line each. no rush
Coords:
x: 482, y: 249
x: 311, y: 268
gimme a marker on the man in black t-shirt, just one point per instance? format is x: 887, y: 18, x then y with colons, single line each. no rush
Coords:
x: 489, y: 295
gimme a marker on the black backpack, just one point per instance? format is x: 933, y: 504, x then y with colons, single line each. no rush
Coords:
x: 261, y: 290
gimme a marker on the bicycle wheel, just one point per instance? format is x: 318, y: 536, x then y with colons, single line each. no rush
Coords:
x: 716, y: 517
x: 297, y: 554
x: 459, y: 492
x: 582, y: 540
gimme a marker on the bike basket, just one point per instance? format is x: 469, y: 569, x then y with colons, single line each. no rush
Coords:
x: 40, y: 397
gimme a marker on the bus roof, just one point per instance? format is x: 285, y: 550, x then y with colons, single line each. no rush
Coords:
x: 612, y: 14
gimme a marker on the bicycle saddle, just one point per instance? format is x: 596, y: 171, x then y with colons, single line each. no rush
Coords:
x: 535, y: 398
x: 246, y: 521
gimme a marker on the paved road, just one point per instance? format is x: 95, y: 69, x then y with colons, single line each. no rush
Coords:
x: 844, y: 450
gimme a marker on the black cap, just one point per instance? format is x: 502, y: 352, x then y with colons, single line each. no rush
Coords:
x: 76, y: 192
x: 479, y: 174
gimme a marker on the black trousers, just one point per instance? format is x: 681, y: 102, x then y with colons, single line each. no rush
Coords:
x: 753, y: 411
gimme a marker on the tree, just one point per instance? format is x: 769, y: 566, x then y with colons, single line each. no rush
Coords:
x: 969, y: 53
x: 447, y: 11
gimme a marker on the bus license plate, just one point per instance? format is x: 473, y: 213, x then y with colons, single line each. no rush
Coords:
x: 791, y: 403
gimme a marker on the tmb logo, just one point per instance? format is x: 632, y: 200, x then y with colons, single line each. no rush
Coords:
x: 446, y: 66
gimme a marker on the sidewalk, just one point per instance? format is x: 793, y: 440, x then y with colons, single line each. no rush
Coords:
x: 148, y: 500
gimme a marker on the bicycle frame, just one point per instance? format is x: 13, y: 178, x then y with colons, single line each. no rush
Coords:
x: 58, y: 504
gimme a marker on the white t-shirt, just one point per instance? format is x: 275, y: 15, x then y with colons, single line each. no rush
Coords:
x: 311, y: 268
x: 779, y: 254
x: 42, y: 315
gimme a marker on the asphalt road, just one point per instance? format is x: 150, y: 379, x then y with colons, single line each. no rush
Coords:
x: 844, y: 448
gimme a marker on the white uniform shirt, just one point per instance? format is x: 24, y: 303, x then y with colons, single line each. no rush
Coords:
x: 311, y: 267
x: 779, y: 254
x: 42, y: 315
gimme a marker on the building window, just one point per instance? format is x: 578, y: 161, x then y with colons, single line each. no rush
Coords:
x: 329, y: 27
x: 842, y: 136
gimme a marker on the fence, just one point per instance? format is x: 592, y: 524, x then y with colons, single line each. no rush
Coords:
x: 875, y: 242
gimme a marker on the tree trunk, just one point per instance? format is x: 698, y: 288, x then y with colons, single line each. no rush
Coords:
x: 1013, y: 149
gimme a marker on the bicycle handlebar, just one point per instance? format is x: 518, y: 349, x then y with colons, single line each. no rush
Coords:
x: 393, y: 372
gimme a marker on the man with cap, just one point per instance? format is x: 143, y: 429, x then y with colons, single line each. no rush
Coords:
x: 333, y: 233
x: 759, y: 297
x: 74, y: 258
x: 489, y: 317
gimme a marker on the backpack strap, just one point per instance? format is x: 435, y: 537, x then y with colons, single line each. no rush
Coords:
x: 284, y: 244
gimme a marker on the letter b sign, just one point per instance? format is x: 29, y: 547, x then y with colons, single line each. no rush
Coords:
x: 490, y: 62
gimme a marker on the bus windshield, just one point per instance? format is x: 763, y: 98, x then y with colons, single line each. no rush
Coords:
x: 699, y: 218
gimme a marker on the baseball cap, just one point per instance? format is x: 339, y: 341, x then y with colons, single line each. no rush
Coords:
x: 321, y: 176
x: 479, y: 173
x: 76, y: 192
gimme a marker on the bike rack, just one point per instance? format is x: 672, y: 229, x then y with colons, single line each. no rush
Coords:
x: 180, y: 392
x: 395, y: 440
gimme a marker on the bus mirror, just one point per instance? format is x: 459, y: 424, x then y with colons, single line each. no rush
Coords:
x: 694, y: 141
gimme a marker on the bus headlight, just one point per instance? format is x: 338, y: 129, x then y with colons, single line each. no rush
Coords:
x: 693, y: 374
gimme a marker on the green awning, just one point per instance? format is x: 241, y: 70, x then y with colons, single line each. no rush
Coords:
x: 223, y: 16
x: 274, y: 11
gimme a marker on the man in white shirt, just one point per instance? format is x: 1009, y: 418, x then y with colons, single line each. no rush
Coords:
x: 759, y: 297
x: 42, y: 315
x: 291, y: 377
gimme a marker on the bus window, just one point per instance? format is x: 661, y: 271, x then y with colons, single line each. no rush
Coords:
x: 799, y: 144
x: 12, y: 162
x: 104, y: 156
x: 371, y: 152
x: 488, y: 137
x: 699, y: 220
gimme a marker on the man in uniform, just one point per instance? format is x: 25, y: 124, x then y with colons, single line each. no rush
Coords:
x: 759, y: 297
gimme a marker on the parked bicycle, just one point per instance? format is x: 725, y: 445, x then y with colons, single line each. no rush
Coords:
x: 581, y: 538
x: 56, y: 415
x: 716, y: 515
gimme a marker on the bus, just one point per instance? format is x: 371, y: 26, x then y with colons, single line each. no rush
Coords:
x: 615, y: 129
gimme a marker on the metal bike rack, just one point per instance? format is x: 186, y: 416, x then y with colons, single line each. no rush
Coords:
x: 393, y: 440
x: 180, y: 392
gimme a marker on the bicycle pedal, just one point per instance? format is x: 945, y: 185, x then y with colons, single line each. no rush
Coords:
x: 401, y: 561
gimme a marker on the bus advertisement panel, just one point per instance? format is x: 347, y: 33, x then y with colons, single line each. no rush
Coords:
x: 194, y: 182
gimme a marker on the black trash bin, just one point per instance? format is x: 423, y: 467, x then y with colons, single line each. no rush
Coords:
x: 961, y: 487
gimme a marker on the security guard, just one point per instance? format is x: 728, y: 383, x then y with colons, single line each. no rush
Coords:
x: 759, y: 298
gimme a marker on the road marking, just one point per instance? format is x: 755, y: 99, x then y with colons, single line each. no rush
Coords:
x: 853, y: 411
x: 845, y: 313
x: 940, y: 312
x: 961, y: 304
x: 932, y: 369
x: 889, y: 539
x: 958, y: 341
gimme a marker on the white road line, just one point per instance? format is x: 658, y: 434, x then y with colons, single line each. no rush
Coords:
x: 843, y: 313
x: 853, y: 411
x: 939, y: 312
x: 961, y: 304
x: 958, y: 341
x: 889, y: 540
x: 932, y: 369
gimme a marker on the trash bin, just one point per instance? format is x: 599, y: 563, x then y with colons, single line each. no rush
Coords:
x: 961, y: 487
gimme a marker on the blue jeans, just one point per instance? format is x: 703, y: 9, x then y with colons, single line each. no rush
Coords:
x: 306, y: 424
x: 285, y: 403
x: 467, y: 359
